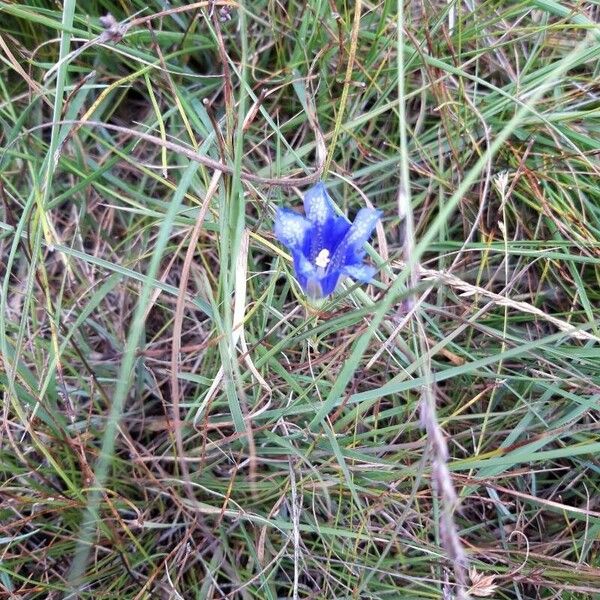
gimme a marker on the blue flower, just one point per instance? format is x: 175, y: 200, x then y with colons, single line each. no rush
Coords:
x: 325, y: 246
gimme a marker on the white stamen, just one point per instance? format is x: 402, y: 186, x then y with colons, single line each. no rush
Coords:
x: 322, y: 259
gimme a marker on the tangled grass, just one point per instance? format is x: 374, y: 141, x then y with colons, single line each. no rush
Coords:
x: 178, y: 422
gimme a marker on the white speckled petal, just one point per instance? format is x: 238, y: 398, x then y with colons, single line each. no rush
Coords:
x: 290, y: 228
x: 303, y: 265
x: 317, y: 205
x: 363, y: 225
x: 362, y: 273
x: 305, y: 271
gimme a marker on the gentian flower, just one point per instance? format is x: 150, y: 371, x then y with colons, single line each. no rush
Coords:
x: 324, y: 245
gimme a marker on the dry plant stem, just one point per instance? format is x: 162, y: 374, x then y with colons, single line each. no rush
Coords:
x: 441, y: 479
x: 16, y: 65
x: 178, y: 325
x: 468, y: 289
x: 440, y: 475
x: 347, y: 82
x: 191, y: 154
x: 227, y: 84
x: 239, y: 309
x: 239, y: 301
x: 181, y: 9
x: 296, y: 538
x: 486, y: 184
x: 210, y: 111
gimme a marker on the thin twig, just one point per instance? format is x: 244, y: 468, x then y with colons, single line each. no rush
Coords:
x: 192, y: 155
x: 178, y: 326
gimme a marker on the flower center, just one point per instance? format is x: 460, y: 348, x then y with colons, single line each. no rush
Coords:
x: 322, y: 259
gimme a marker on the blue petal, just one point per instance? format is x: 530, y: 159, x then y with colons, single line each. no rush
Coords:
x: 317, y: 205
x: 303, y: 269
x: 322, y: 229
x: 336, y: 232
x: 328, y: 229
x: 302, y: 265
x: 329, y: 281
x: 362, y: 228
x: 350, y: 250
x: 362, y: 273
x: 291, y: 228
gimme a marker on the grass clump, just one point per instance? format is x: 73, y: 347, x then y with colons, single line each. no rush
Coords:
x: 178, y: 422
